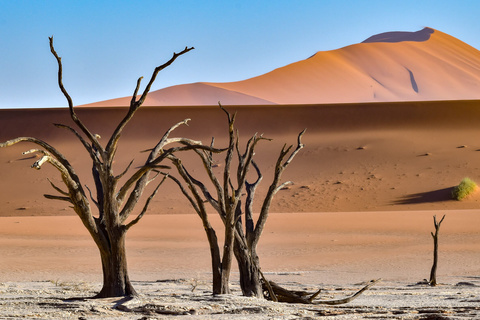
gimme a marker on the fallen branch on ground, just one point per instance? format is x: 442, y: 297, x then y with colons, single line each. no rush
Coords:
x: 284, y: 295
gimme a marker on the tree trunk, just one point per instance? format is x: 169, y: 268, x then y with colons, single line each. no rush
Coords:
x: 116, y: 282
x: 216, y: 260
x: 220, y: 275
x: 250, y: 280
x: 433, y: 272
x: 226, y: 267
x: 228, y: 252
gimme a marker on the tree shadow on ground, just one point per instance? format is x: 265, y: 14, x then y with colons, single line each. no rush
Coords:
x: 426, y: 197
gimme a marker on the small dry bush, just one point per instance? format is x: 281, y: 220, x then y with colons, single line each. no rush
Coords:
x: 466, y: 187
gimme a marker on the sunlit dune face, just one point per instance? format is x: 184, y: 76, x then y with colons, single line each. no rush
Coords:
x: 392, y: 66
x: 418, y: 66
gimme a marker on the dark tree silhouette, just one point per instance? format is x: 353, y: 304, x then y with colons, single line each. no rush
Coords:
x: 433, y: 272
x: 114, y: 202
x: 242, y: 231
x: 240, y: 240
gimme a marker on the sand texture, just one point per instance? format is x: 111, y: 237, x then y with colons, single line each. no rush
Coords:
x: 47, y: 261
x: 368, y: 157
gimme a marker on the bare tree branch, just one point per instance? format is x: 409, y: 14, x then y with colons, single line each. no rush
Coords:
x: 203, y: 188
x: 71, y: 180
x: 284, y: 295
x: 140, y: 178
x: 141, y: 175
x: 349, y: 298
x: 48, y: 148
x: 163, y: 141
x: 73, y: 115
x: 157, y: 70
x: 251, y: 188
x: 208, y: 164
x: 196, y: 201
x: 300, y: 146
x: 57, y: 188
x: 135, y: 92
x: 52, y: 197
x: 87, y: 146
x: 185, y: 193
x: 124, y: 171
x: 153, y: 158
x: 91, y: 198
x: 135, y: 104
x: 147, y: 203
x: 273, y: 189
x: 283, y: 185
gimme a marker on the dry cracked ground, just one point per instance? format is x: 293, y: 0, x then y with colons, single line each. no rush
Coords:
x: 192, y: 299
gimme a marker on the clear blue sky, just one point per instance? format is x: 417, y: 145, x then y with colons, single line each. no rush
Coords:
x: 107, y: 45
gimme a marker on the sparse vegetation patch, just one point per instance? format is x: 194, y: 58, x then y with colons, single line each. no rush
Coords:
x: 466, y: 187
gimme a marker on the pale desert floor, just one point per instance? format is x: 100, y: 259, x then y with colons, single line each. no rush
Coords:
x: 339, y: 248
x: 365, y: 190
x: 47, y: 260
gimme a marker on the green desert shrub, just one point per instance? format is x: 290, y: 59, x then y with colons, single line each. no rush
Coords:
x: 466, y: 187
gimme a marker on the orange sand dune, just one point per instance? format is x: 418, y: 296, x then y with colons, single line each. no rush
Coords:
x: 439, y: 67
x: 190, y: 95
x: 394, y: 66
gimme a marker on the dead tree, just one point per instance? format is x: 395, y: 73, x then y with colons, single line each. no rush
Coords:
x: 433, y: 272
x: 225, y: 206
x: 249, y: 235
x: 226, y: 199
x: 240, y: 240
x: 114, y: 202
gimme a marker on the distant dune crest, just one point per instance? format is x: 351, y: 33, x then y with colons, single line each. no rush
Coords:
x: 392, y: 66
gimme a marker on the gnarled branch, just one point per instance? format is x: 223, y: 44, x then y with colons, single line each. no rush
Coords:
x: 70, y: 179
x: 57, y: 188
x: 147, y: 203
x: 140, y: 178
x: 73, y: 115
x: 251, y: 188
x: 91, y: 198
x: 135, y: 104
x: 284, y: 295
x: 273, y: 189
x: 152, y: 160
x: 51, y: 150
x: 52, y: 197
x: 203, y: 188
x: 186, y: 194
x: 118, y: 177
x: 88, y: 147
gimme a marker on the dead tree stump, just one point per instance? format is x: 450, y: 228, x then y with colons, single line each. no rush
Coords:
x: 433, y: 272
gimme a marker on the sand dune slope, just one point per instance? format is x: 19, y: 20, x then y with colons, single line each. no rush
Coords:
x: 190, y: 95
x: 379, y: 156
x: 393, y: 66
x: 389, y: 68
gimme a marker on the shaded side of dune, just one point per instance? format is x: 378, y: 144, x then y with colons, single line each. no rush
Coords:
x: 207, y: 121
x: 358, y: 157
